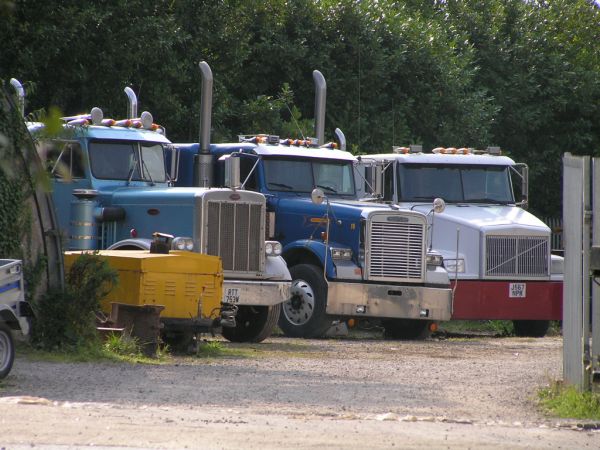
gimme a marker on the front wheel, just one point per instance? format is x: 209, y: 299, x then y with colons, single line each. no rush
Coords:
x: 7, y: 350
x: 531, y: 328
x: 409, y: 329
x: 253, y: 323
x: 304, y: 314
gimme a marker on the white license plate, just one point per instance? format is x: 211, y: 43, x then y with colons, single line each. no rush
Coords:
x: 232, y: 295
x: 517, y: 290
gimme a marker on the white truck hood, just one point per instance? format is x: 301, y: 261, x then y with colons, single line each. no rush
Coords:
x: 487, y: 217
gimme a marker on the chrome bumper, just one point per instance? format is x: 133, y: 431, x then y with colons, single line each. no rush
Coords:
x: 381, y: 300
x: 255, y: 293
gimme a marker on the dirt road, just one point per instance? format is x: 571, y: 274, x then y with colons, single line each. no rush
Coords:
x: 284, y: 393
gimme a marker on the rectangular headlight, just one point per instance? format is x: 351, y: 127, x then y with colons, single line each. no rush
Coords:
x: 434, y: 259
x: 455, y: 265
x: 341, y: 253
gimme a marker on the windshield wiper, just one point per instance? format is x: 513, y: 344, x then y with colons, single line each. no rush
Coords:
x: 329, y: 188
x: 488, y: 200
x: 147, y: 172
x: 285, y: 186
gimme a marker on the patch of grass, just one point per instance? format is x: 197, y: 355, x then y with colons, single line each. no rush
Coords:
x: 115, y: 348
x: 218, y: 349
x: 492, y: 327
x: 567, y: 402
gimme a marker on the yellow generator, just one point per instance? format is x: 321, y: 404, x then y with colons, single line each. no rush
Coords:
x: 188, y: 285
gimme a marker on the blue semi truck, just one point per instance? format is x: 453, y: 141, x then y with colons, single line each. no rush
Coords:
x: 112, y: 189
x: 347, y: 259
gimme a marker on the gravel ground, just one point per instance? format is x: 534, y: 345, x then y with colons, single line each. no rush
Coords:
x: 286, y: 393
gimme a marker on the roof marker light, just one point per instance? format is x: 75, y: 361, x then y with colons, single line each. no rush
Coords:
x: 123, y: 123
x: 75, y: 122
x: 108, y: 122
x: 330, y: 145
x: 400, y: 150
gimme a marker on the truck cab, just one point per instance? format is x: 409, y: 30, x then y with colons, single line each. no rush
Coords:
x: 498, y: 255
x: 347, y: 259
x: 112, y: 187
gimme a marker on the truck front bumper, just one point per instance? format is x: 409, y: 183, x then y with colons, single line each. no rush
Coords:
x: 383, y: 300
x: 255, y: 293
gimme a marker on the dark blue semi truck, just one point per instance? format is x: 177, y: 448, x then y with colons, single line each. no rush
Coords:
x: 347, y: 259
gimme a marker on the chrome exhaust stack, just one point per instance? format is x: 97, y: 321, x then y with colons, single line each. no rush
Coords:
x: 132, y: 106
x: 16, y: 84
x: 341, y: 137
x: 320, y: 96
x: 203, y: 162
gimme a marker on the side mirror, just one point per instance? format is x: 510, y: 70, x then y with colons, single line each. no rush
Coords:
x: 317, y: 196
x: 439, y: 205
x: 232, y: 171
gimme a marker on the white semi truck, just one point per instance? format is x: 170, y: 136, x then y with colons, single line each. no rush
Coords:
x: 497, y: 254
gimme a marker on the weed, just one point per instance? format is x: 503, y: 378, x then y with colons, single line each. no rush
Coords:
x: 567, y: 402
x: 65, y: 319
x: 209, y: 349
x: 122, y: 345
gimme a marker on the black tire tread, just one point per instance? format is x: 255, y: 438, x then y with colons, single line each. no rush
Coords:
x: 254, y: 324
x: 10, y: 355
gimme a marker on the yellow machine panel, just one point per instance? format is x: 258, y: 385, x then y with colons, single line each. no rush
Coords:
x: 188, y: 285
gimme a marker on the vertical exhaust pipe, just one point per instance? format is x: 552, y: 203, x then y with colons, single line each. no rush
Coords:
x: 341, y: 137
x: 203, y: 161
x: 132, y: 106
x: 320, y: 95
x: 16, y: 84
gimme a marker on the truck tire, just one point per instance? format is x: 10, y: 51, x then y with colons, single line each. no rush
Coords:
x: 304, y: 314
x: 7, y: 350
x: 253, y: 323
x: 408, y: 329
x: 531, y: 328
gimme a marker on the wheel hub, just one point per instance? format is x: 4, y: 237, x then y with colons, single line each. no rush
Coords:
x: 300, y: 307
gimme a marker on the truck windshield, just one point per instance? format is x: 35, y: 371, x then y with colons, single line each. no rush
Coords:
x: 127, y: 160
x: 295, y: 175
x: 454, y: 183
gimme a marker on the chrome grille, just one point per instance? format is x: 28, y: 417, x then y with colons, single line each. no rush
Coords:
x: 521, y: 256
x: 396, y: 250
x: 235, y: 234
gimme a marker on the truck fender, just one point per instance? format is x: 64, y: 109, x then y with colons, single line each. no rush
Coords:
x: 8, y: 316
x: 131, y: 244
x: 276, y: 268
x: 307, y: 250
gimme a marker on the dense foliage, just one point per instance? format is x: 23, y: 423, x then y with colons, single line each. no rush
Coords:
x: 524, y: 75
x: 65, y: 319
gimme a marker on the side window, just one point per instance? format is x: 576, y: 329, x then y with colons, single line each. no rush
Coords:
x: 246, y: 165
x: 64, y: 160
x: 388, y: 183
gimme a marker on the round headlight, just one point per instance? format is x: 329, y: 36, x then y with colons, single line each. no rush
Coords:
x: 180, y: 244
x: 277, y: 248
x: 189, y: 245
x: 269, y: 248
